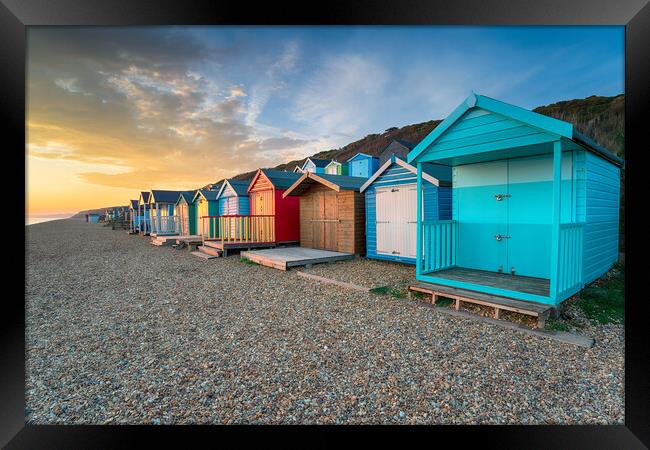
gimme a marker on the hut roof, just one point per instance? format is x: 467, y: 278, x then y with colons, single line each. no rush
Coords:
x: 145, y: 196
x: 430, y: 172
x: 318, y: 162
x: 134, y: 204
x: 279, y: 178
x: 159, y: 196
x: 335, y: 182
x: 548, y: 124
x: 188, y: 196
x: 239, y: 186
x: 207, y: 194
x: 361, y: 155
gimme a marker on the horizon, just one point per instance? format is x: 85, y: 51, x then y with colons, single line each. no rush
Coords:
x: 115, y: 111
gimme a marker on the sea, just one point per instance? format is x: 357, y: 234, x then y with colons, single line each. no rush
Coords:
x: 33, y: 220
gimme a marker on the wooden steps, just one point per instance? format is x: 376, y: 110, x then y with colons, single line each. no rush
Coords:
x: 202, y: 255
x: 209, y: 250
x: 539, y: 310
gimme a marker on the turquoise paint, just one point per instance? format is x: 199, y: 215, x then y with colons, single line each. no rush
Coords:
x: 561, y: 213
x: 418, y: 215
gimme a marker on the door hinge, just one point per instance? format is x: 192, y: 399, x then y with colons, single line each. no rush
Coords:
x: 394, y: 190
x: 512, y: 270
x: 395, y: 252
x: 500, y: 197
x: 499, y: 237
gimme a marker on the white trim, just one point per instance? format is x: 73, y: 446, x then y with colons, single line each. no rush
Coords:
x: 405, y: 165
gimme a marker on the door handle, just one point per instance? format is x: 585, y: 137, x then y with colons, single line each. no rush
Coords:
x: 499, y: 237
x: 500, y: 197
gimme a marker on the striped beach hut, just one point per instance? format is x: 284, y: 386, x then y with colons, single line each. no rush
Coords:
x: 391, y: 205
x: 535, y: 204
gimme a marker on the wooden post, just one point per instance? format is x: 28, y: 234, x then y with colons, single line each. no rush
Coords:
x: 555, y: 226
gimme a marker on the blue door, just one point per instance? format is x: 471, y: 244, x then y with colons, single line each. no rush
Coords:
x: 482, y: 219
x: 530, y: 208
x: 504, y: 212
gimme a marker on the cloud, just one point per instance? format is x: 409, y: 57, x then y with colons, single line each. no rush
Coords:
x: 343, y: 96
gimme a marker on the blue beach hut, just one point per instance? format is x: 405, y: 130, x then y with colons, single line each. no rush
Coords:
x: 362, y: 165
x: 391, y: 201
x: 233, y: 198
x: 163, y: 220
x: 535, y: 204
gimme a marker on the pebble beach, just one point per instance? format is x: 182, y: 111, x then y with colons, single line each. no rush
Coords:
x: 122, y: 332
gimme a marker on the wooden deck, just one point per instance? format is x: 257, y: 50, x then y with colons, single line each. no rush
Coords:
x: 539, y: 310
x: 285, y: 257
x: 530, y: 285
x: 224, y: 247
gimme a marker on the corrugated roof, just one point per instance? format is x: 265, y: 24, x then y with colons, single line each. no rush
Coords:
x: 160, y: 196
x: 281, y: 179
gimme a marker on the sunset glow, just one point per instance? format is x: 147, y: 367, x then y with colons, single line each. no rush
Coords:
x: 113, y: 111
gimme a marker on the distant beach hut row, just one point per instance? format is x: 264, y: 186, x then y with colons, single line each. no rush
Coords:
x: 496, y: 200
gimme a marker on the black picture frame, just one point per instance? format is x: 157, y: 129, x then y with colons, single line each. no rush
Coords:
x: 16, y: 15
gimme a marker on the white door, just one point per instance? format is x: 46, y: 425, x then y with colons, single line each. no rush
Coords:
x: 396, y: 220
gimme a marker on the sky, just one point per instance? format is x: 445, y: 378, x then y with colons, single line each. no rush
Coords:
x: 115, y: 111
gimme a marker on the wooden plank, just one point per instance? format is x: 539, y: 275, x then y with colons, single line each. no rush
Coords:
x: 489, y: 299
x: 334, y: 282
x: 560, y: 336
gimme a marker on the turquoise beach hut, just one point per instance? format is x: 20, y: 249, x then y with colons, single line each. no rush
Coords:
x: 362, y: 165
x: 535, y: 204
x: 391, y: 201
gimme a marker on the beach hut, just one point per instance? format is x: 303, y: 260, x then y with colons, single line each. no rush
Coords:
x: 92, y: 217
x: 362, y: 165
x: 144, y: 213
x: 185, y: 210
x: 336, y: 168
x: 297, y: 169
x: 161, y: 205
x: 314, y: 165
x: 332, y: 212
x: 205, y: 206
x: 134, y: 216
x: 535, y: 204
x: 391, y: 201
x: 233, y: 198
